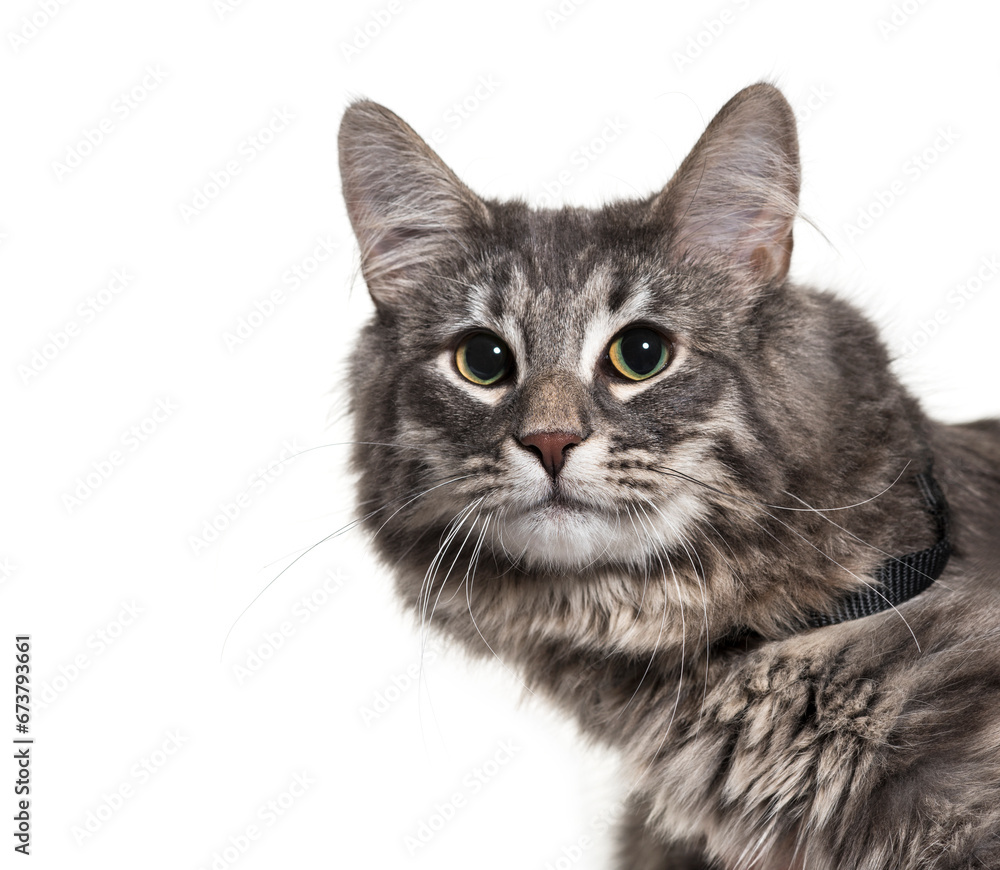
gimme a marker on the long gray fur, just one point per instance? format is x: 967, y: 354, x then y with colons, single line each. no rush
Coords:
x: 767, y: 470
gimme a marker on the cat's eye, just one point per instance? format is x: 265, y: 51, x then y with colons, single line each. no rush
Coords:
x: 639, y: 353
x: 483, y: 359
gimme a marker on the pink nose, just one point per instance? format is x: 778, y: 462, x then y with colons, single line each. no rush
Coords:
x: 550, y: 448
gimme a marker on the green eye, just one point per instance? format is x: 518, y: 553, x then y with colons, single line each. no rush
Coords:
x: 639, y: 353
x: 483, y: 359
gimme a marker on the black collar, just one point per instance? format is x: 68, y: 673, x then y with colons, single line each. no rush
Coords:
x: 899, y: 579
x: 896, y: 580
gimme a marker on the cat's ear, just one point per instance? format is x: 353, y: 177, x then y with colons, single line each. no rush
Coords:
x: 407, y: 208
x: 737, y: 192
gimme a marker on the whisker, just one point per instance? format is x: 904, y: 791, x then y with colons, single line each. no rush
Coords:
x: 655, y: 550
x: 450, y: 533
x: 846, y: 531
x: 680, y: 671
x: 798, y: 534
x: 423, y: 600
x: 645, y: 585
x: 664, y: 469
x: 700, y: 575
x: 465, y: 514
x: 470, y: 576
x: 278, y: 463
x: 323, y: 540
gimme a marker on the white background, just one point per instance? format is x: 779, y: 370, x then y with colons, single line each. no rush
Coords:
x: 873, y: 87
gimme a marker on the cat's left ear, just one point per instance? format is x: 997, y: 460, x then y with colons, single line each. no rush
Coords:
x: 408, y: 209
x: 736, y: 194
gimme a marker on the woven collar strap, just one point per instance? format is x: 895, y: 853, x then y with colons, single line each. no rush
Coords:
x: 898, y: 580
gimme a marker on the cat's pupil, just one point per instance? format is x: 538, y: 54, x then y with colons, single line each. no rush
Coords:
x: 483, y: 358
x: 639, y: 353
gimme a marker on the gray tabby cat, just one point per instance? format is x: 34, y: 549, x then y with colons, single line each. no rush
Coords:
x: 618, y: 450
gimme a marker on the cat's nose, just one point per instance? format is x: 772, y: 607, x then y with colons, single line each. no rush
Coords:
x: 551, y: 447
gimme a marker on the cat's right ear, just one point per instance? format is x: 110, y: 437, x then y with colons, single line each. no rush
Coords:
x: 407, y: 208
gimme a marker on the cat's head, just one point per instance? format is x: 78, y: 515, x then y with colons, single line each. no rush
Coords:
x: 582, y: 391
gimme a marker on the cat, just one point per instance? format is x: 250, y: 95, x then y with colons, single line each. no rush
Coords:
x: 686, y: 500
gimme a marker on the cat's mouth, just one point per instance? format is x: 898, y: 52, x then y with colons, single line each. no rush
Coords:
x: 567, y: 529
x: 561, y: 531
x: 559, y: 500
x: 558, y: 505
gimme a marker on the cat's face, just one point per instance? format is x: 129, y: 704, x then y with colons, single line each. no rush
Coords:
x: 597, y: 392
x: 563, y: 392
x: 539, y: 388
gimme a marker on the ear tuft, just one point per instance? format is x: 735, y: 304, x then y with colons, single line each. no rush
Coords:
x: 407, y: 208
x: 736, y: 194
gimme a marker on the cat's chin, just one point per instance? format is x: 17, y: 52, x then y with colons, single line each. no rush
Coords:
x: 566, y: 535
